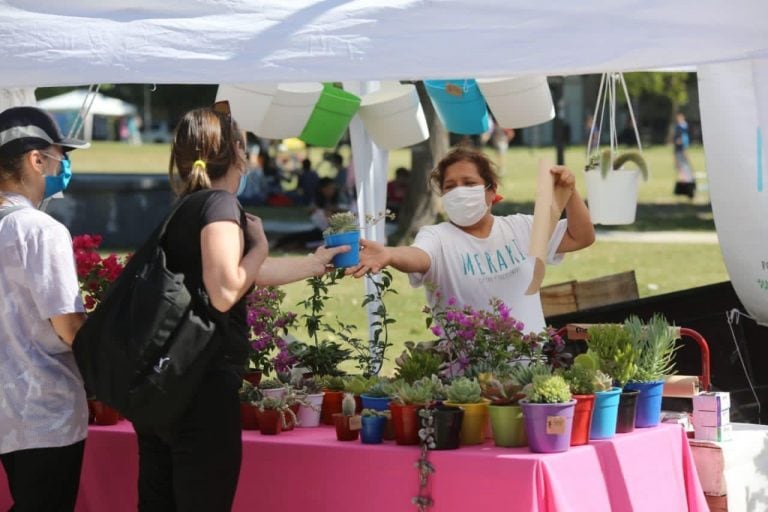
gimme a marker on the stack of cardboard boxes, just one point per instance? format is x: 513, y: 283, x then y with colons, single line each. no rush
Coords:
x: 712, y: 416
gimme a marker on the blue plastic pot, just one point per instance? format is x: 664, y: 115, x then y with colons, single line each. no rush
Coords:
x: 377, y: 403
x: 372, y: 431
x: 346, y: 259
x: 648, y: 403
x: 604, y: 414
x: 460, y: 105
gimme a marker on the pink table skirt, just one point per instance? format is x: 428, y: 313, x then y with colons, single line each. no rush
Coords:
x: 307, y: 469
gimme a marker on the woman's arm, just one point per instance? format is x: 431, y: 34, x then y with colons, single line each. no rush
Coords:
x: 279, y: 271
x: 227, y: 276
x: 580, y: 232
x: 67, y: 325
x: 375, y: 256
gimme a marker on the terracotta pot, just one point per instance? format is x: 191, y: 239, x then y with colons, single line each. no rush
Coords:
x: 347, y: 427
x: 249, y: 417
x: 331, y: 405
x: 270, y: 422
x: 406, y: 421
x: 254, y: 377
x: 102, y: 413
x: 582, y: 419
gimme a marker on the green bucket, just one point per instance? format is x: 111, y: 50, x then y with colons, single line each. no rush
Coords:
x: 330, y: 118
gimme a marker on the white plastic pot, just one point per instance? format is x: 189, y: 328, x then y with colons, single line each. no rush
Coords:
x: 613, y: 199
x: 309, y: 415
x: 289, y: 110
x: 518, y: 102
x: 248, y: 102
x: 393, y: 116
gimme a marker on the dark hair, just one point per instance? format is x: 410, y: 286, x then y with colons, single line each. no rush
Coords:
x: 10, y: 167
x: 485, y: 168
x: 210, y: 137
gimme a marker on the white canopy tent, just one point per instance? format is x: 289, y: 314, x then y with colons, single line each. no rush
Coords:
x: 47, y: 42
x: 100, y: 105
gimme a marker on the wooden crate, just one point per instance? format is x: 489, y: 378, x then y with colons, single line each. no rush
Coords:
x: 606, y: 290
x: 558, y: 299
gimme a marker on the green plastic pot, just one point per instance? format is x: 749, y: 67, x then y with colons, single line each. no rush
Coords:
x: 330, y: 118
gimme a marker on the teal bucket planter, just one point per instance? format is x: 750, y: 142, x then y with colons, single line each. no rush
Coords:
x: 377, y: 403
x: 460, y: 105
x: 345, y: 259
x: 330, y: 117
x: 604, y: 414
x: 648, y: 412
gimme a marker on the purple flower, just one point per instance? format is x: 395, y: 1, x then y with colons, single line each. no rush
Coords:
x: 437, y: 330
x: 452, y: 301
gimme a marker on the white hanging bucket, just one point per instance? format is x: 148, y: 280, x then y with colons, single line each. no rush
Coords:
x: 248, y: 102
x: 289, y: 110
x: 518, y: 102
x: 613, y: 199
x: 393, y: 116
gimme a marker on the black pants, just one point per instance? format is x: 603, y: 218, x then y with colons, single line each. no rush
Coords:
x: 44, y: 479
x: 195, y: 466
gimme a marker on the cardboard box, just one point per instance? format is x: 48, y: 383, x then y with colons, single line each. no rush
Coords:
x: 712, y: 401
x: 718, y: 434
x: 711, y: 418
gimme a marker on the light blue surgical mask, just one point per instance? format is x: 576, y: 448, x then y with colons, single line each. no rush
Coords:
x: 241, y: 186
x: 58, y: 183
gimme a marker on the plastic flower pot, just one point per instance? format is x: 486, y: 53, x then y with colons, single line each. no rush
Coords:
x: 393, y: 116
x: 627, y: 408
x: 447, y: 425
x: 278, y: 393
x: 330, y: 118
x: 548, y: 426
x: 347, y: 427
x: 254, y: 377
x: 508, y: 425
x: 648, y: 403
x: 604, y: 414
x: 331, y: 405
x: 372, y: 431
x: 270, y: 422
x: 249, y: 418
x: 309, y: 415
x: 582, y: 419
x: 518, y: 102
x: 475, y: 422
x: 613, y: 199
x: 291, y: 107
x: 406, y: 421
x: 459, y: 105
x: 350, y: 238
x: 375, y: 402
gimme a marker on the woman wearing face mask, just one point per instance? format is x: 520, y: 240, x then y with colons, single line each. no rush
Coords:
x: 43, y: 411
x: 477, y: 255
x: 194, y: 465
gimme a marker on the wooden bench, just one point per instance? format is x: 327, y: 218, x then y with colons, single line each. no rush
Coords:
x: 572, y: 296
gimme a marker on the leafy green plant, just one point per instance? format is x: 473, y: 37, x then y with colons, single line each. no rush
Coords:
x: 320, y: 359
x: 655, y: 346
x: 612, y: 346
x: 379, y: 389
x: 548, y: 389
x: 417, y: 362
x: 500, y: 388
x: 332, y: 382
x: 357, y: 384
x: 464, y: 391
x: 523, y: 374
x: 248, y: 393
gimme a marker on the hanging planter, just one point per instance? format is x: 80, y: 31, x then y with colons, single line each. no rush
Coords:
x: 518, y: 102
x: 249, y: 103
x: 330, y: 118
x: 459, y: 105
x: 289, y: 110
x: 611, y: 186
x: 393, y: 116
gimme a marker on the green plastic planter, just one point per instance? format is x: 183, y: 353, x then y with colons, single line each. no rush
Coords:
x: 330, y: 118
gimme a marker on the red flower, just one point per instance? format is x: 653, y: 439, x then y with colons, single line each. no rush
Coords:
x: 94, y: 273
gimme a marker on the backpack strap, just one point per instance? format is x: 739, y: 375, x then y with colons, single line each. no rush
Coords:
x: 4, y: 212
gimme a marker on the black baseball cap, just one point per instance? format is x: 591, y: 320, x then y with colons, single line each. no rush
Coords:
x: 23, y: 129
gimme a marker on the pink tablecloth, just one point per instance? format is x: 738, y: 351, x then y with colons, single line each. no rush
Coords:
x: 307, y: 469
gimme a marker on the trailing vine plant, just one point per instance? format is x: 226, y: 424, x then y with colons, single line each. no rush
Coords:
x: 423, y: 500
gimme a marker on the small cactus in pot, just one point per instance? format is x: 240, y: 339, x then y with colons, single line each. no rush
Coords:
x: 347, y: 423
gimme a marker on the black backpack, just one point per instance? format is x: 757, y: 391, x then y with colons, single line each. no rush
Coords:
x: 147, y: 345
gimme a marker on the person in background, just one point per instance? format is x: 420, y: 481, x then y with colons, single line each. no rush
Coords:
x: 477, y: 256
x: 686, y: 182
x: 194, y: 465
x: 397, y: 189
x: 43, y: 411
x: 307, y: 184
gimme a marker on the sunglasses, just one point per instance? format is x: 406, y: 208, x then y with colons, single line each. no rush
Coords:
x: 222, y: 107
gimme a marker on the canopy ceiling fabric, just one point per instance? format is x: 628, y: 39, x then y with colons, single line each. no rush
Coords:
x: 48, y: 42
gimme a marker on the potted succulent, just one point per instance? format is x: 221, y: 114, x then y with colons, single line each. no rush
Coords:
x: 273, y: 388
x: 504, y: 392
x: 374, y: 424
x: 417, y: 361
x: 309, y: 390
x: 249, y: 398
x: 548, y: 411
x: 343, y: 229
x: 466, y: 394
x: 407, y: 400
x: 612, y: 352
x: 272, y: 415
x: 584, y: 381
x: 376, y: 396
x: 333, y: 394
x: 347, y: 423
x: 357, y: 385
x: 655, y: 348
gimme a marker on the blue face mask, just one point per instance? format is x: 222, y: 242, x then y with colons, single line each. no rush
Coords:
x: 241, y: 186
x: 58, y: 183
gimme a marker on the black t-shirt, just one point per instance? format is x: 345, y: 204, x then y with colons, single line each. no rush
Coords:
x: 182, y: 246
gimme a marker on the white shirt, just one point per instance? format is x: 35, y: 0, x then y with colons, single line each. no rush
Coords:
x: 475, y: 270
x: 42, y: 400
